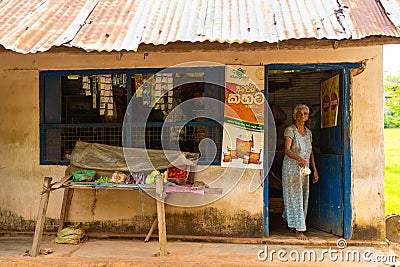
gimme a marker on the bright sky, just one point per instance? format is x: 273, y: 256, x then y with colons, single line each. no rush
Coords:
x: 391, y: 58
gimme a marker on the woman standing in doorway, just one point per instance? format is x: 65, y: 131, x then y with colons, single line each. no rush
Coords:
x: 295, y: 179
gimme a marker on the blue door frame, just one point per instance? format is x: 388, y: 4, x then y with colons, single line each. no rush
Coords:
x: 344, y: 68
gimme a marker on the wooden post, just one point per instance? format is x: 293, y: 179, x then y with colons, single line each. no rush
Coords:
x: 44, y: 201
x: 162, y: 229
x: 68, y: 192
x: 151, y: 230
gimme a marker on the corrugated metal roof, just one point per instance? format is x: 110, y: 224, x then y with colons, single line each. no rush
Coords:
x: 165, y: 21
x: 37, y: 25
x: 392, y: 10
x: 371, y: 19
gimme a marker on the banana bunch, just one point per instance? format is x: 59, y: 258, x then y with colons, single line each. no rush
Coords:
x: 102, y: 179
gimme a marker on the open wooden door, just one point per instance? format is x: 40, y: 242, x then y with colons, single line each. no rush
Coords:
x: 326, y: 202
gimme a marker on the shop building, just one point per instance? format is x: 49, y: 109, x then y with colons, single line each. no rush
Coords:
x: 45, y: 64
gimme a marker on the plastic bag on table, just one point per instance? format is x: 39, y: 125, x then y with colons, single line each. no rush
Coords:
x: 83, y: 175
x: 118, y: 177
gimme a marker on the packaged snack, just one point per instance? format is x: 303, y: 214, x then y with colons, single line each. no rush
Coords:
x: 233, y: 153
x: 254, y: 157
x: 118, y: 177
x: 227, y: 157
x: 243, y: 147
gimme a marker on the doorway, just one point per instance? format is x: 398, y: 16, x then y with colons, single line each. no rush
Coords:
x: 329, y: 207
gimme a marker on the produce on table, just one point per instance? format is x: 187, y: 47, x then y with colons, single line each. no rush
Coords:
x: 165, y: 176
x: 118, y: 177
x: 83, y: 175
x: 129, y: 179
x: 139, y: 178
x: 102, y: 179
x: 151, y: 178
x: 174, y: 172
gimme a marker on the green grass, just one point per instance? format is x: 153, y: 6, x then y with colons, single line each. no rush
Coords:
x: 392, y: 170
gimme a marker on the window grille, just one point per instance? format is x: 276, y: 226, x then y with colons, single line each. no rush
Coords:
x: 71, y: 109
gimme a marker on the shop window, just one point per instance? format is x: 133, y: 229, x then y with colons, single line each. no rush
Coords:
x: 90, y: 106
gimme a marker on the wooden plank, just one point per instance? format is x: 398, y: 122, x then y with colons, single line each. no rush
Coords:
x: 212, y: 190
x: 151, y: 230
x: 107, y: 186
x: 93, y: 185
x: 61, y: 183
x: 162, y: 229
x: 44, y: 201
x: 68, y: 193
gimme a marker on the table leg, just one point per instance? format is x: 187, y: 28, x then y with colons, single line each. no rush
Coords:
x: 68, y: 192
x: 44, y: 201
x: 162, y: 229
x: 151, y: 230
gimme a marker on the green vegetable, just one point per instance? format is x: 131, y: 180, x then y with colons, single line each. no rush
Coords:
x: 102, y: 179
x: 83, y: 175
x: 151, y: 178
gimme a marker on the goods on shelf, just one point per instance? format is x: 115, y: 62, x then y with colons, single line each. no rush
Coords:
x: 83, y: 175
x: 151, y: 178
x: 178, y: 175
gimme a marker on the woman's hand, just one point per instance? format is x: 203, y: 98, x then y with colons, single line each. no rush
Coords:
x: 316, y: 176
x: 302, y: 162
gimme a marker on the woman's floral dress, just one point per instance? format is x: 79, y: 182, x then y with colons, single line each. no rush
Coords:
x: 296, y: 186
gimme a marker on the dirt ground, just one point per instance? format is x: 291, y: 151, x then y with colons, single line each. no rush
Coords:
x: 123, y: 252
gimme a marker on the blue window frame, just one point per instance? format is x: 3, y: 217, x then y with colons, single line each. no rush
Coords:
x: 67, y: 117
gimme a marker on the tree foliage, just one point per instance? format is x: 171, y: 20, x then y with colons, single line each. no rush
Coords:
x: 392, y: 100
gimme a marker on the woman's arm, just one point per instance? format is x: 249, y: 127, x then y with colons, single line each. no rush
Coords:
x: 316, y: 176
x: 291, y: 154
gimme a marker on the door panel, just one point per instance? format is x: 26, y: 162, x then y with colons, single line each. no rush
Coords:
x: 326, y: 196
x: 329, y: 209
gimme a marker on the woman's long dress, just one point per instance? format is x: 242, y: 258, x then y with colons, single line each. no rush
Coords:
x: 296, y: 186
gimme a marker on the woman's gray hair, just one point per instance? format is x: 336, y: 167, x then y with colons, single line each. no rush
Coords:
x: 300, y: 106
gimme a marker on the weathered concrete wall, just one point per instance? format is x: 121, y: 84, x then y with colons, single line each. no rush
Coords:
x: 367, y: 149
x: 21, y: 175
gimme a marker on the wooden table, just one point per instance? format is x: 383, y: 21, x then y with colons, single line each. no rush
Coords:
x: 69, y: 188
x: 68, y: 193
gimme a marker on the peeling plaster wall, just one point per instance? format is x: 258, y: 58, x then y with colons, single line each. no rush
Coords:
x: 21, y: 175
x: 367, y: 150
x: 236, y: 214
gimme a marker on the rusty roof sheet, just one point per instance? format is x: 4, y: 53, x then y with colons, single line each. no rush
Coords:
x: 107, y: 25
x: 372, y: 19
x: 37, y: 25
x: 392, y: 9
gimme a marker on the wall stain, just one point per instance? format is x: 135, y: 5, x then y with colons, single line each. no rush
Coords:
x: 207, y: 222
x: 93, y: 206
x: 369, y: 232
x: 12, y: 222
x: 214, y: 222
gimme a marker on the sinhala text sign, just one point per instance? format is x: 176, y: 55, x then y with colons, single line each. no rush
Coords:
x: 243, y: 139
